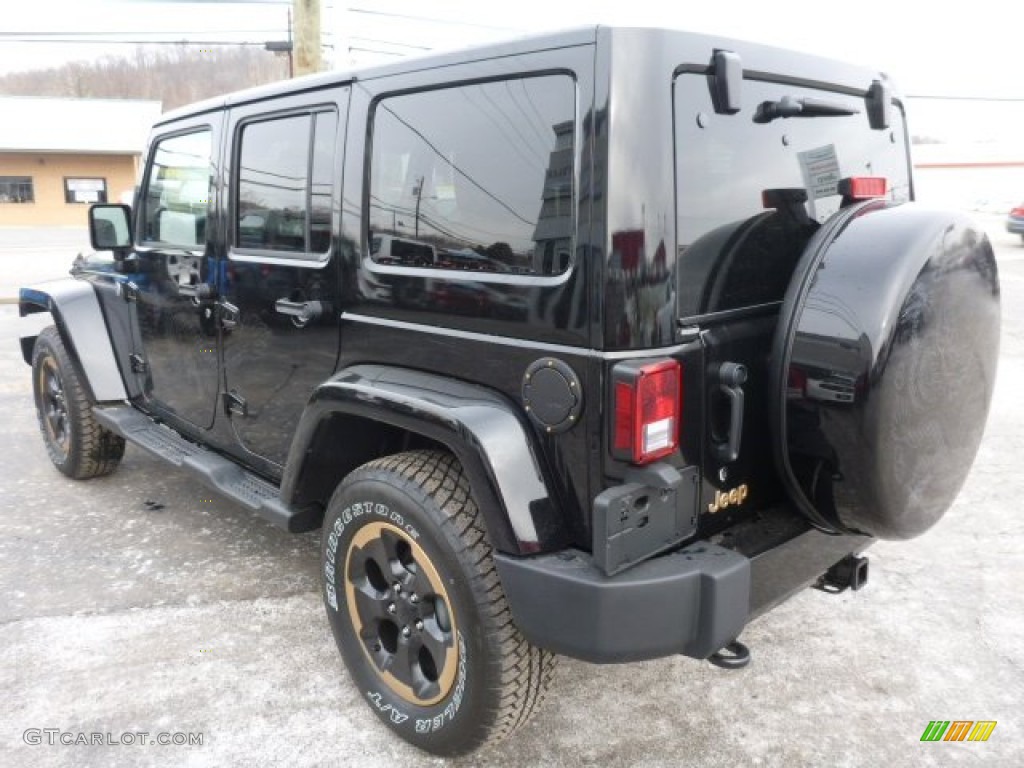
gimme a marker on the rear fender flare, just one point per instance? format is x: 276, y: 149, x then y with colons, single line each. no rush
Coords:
x: 479, y: 426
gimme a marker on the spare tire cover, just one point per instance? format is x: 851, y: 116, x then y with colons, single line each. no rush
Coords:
x: 884, y: 361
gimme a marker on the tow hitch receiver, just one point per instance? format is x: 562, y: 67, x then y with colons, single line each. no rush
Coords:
x: 851, y: 571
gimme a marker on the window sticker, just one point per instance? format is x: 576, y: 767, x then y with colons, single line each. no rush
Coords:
x: 820, y: 168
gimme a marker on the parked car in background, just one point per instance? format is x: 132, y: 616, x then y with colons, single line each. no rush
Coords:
x: 1015, y: 221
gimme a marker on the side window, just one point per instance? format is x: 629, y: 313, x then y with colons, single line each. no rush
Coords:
x: 321, y: 176
x: 285, y: 169
x: 176, y: 200
x: 476, y: 177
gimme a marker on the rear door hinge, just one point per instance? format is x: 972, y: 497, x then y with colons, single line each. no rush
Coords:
x: 129, y: 291
x: 235, y: 405
x: 229, y: 316
x: 138, y: 363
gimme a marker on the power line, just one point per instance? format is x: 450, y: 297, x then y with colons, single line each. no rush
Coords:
x: 538, y: 157
x: 966, y: 98
x: 139, y: 32
x: 536, y: 113
x: 375, y: 50
x: 217, y: 2
x: 142, y: 42
x: 410, y: 211
x: 431, y: 20
x: 465, y: 175
x: 501, y: 129
x: 389, y: 42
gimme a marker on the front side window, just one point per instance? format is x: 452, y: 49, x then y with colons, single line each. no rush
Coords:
x: 176, y: 200
x: 476, y: 177
x: 16, y: 189
x: 284, y: 178
x: 81, y: 190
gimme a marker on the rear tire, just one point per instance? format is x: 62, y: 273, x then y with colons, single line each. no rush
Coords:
x: 77, y: 444
x: 417, y: 610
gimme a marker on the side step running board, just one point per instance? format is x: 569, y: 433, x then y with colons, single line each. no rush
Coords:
x: 216, y: 471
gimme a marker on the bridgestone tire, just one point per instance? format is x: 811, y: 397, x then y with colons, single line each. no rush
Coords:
x: 417, y: 610
x: 77, y: 444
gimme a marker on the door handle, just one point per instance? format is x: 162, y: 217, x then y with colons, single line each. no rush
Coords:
x: 301, y: 312
x: 731, y: 378
x: 198, y: 291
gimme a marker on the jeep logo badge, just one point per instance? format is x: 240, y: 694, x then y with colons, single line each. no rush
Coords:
x: 724, y: 499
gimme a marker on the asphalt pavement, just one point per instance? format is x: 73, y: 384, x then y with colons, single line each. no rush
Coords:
x: 140, y: 602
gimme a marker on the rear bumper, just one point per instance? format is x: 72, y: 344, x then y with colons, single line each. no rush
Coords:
x: 691, y: 602
x: 1015, y: 225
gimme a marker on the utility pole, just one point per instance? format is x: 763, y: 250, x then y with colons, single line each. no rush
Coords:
x: 419, y: 195
x: 307, y: 55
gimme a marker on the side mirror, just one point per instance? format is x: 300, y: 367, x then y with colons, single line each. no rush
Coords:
x: 110, y: 228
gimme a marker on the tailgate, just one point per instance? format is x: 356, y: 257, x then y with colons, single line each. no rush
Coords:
x: 752, y: 188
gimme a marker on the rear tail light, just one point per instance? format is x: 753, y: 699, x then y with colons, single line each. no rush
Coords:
x: 648, y: 405
x: 863, y: 187
x: 1018, y: 211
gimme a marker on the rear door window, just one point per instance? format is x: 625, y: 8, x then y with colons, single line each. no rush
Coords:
x: 285, y: 167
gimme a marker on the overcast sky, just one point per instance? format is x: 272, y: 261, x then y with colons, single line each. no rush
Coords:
x: 927, y: 49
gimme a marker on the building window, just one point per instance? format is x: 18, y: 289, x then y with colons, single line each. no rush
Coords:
x: 16, y: 189
x: 284, y: 188
x: 476, y: 177
x: 85, y: 190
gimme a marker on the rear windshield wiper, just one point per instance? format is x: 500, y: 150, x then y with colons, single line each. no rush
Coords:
x: 788, y: 106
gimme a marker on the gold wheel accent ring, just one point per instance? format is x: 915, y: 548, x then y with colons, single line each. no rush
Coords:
x: 53, y: 405
x: 401, y: 613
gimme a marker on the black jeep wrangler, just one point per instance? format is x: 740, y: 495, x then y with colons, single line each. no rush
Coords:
x: 600, y: 344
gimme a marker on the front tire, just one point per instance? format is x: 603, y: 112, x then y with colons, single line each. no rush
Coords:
x: 77, y: 444
x: 417, y: 610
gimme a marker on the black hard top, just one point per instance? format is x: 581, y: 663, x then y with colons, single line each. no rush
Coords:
x: 691, y: 46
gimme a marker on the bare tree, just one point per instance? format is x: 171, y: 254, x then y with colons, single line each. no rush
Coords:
x: 175, y: 75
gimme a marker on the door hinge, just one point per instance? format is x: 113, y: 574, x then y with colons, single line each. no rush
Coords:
x: 228, y: 316
x: 235, y: 405
x: 129, y: 291
x: 138, y: 363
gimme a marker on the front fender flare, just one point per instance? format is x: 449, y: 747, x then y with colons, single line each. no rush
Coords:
x: 478, y: 425
x: 76, y: 311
